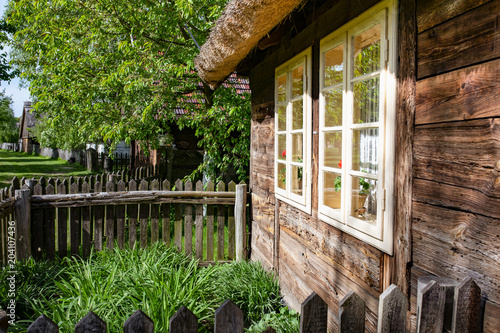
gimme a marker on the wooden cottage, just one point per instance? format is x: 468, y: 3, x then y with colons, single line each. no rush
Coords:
x: 26, y: 125
x: 375, y: 153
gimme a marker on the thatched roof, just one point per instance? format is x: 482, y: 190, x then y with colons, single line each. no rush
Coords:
x: 236, y: 33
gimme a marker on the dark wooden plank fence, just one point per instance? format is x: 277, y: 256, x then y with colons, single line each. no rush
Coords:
x: 79, y: 214
x: 392, y: 314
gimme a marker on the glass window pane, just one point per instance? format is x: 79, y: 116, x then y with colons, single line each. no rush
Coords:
x: 282, y: 176
x: 298, y: 114
x: 334, y: 66
x: 282, y: 88
x: 364, y: 199
x: 333, y: 107
x: 332, y: 183
x: 365, y: 150
x: 366, y: 100
x: 282, y: 146
x: 298, y: 81
x: 297, y: 147
x: 297, y: 180
x: 333, y: 149
x: 367, y: 51
x: 282, y: 118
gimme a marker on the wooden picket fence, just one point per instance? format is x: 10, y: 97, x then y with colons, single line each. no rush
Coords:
x: 56, y: 217
x: 465, y: 314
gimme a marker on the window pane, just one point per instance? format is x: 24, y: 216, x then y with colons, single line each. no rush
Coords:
x: 282, y: 176
x: 282, y: 146
x: 333, y: 149
x: 297, y: 180
x: 298, y: 81
x: 333, y: 107
x: 364, y: 199
x: 366, y: 99
x: 334, y: 66
x: 297, y: 147
x: 367, y: 51
x: 298, y: 114
x: 332, y: 183
x: 282, y: 88
x: 365, y: 150
x: 282, y: 118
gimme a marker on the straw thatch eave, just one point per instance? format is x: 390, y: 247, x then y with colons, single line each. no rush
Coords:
x: 236, y: 33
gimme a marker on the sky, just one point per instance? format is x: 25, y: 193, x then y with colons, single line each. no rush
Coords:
x: 19, y: 95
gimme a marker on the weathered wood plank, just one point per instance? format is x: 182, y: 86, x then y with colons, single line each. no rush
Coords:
x: 469, y: 93
x: 231, y: 254
x: 98, y: 220
x: 210, y: 225
x: 178, y: 218
x: 352, y: 314
x: 183, y: 321
x: 314, y: 313
x: 138, y: 322
x: 155, y: 215
x: 110, y: 218
x: 120, y: 218
x: 430, y: 309
x: 165, y: 208
x: 23, y: 224
x: 37, y: 239
x: 75, y: 223
x: 86, y: 223
x: 132, y: 217
x: 143, y: 217
x: 50, y: 226
x: 62, y: 224
x: 188, y: 222
x: 91, y: 323
x: 43, y: 324
x: 467, y: 308
x: 221, y: 187
x: 392, y: 311
x: 433, y: 12
x: 199, y: 226
x: 240, y: 209
x: 465, y: 40
x: 228, y: 318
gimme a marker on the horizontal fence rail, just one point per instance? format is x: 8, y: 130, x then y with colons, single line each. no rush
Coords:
x: 464, y: 314
x: 73, y: 216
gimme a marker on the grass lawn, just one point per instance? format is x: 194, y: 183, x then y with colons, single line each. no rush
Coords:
x: 29, y: 166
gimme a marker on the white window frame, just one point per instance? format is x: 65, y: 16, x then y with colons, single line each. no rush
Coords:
x: 301, y: 202
x: 379, y: 234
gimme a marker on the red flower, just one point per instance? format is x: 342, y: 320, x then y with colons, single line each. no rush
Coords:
x: 340, y: 164
x: 284, y: 153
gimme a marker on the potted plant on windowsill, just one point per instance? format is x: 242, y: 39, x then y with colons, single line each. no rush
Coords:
x: 361, y: 193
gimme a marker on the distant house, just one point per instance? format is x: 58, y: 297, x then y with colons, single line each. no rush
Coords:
x: 375, y: 153
x: 27, y: 122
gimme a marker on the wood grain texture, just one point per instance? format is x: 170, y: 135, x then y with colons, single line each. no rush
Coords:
x: 50, y: 227
x: 228, y: 318
x: 199, y: 226
x: 431, y: 308
x: 42, y: 324
x: 433, y: 12
x: 231, y: 187
x: 143, y: 217
x: 393, y: 305
x: 86, y: 224
x: 23, y: 224
x: 352, y: 313
x: 405, y: 114
x: 221, y: 187
x: 188, y: 222
x: 210, y: 225
x: 262, y: 245
x: 314, y: 312
x: 98, y: 220
x: 62, y: 224
x: 138, y: 322
x: 467, y: 307
x: 37, y: 225
x: 465, y: 40
x: 155, y: 215
x: 91, y: 323
x: 75, y: 223
x: 183, y: 321
x: 464, y: 94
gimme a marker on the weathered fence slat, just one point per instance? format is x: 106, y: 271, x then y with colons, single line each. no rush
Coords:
x: 392, y: 311
x: 120, y: 218
x: 178, y: 219
x: 62, y: 223
x: 155, y: 215
x: 132, y: 217
x: 430, y: 308
x: 188, y: 222
x: 50, y: 226
x: 165, y: 209
x: 75, y: 226
x: 86, y: 220
x: 37, y: 227
x: 23, y: 225
x: 467, y: 306
x: 110, y: 218
x: 139, y: 322
x: 199, y: 226
x: 228, y: 318
x: 91, y: 323
x: 352, y: 314
x: 43, y: 324
x: 183, y: 321
x: 314, y: 315
x: 210, y: 225
x: 143, y: 217
x: 240, y: 221
x: 98, y: 220
x: 220, y: 224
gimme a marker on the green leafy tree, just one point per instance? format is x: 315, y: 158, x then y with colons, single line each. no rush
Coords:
x: 8, y: 129
x: 116, y: 70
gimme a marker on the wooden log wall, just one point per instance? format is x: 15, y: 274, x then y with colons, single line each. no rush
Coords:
x: 76, y: 215
x: 456, y: 173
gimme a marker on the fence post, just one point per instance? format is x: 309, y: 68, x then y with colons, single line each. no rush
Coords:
x: 240, y: 208
x: 23, y: 227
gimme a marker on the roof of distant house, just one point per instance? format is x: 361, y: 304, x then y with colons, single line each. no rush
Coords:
x: 28, y: 120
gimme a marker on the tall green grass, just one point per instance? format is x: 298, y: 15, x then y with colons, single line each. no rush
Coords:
x: 158, y: 280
